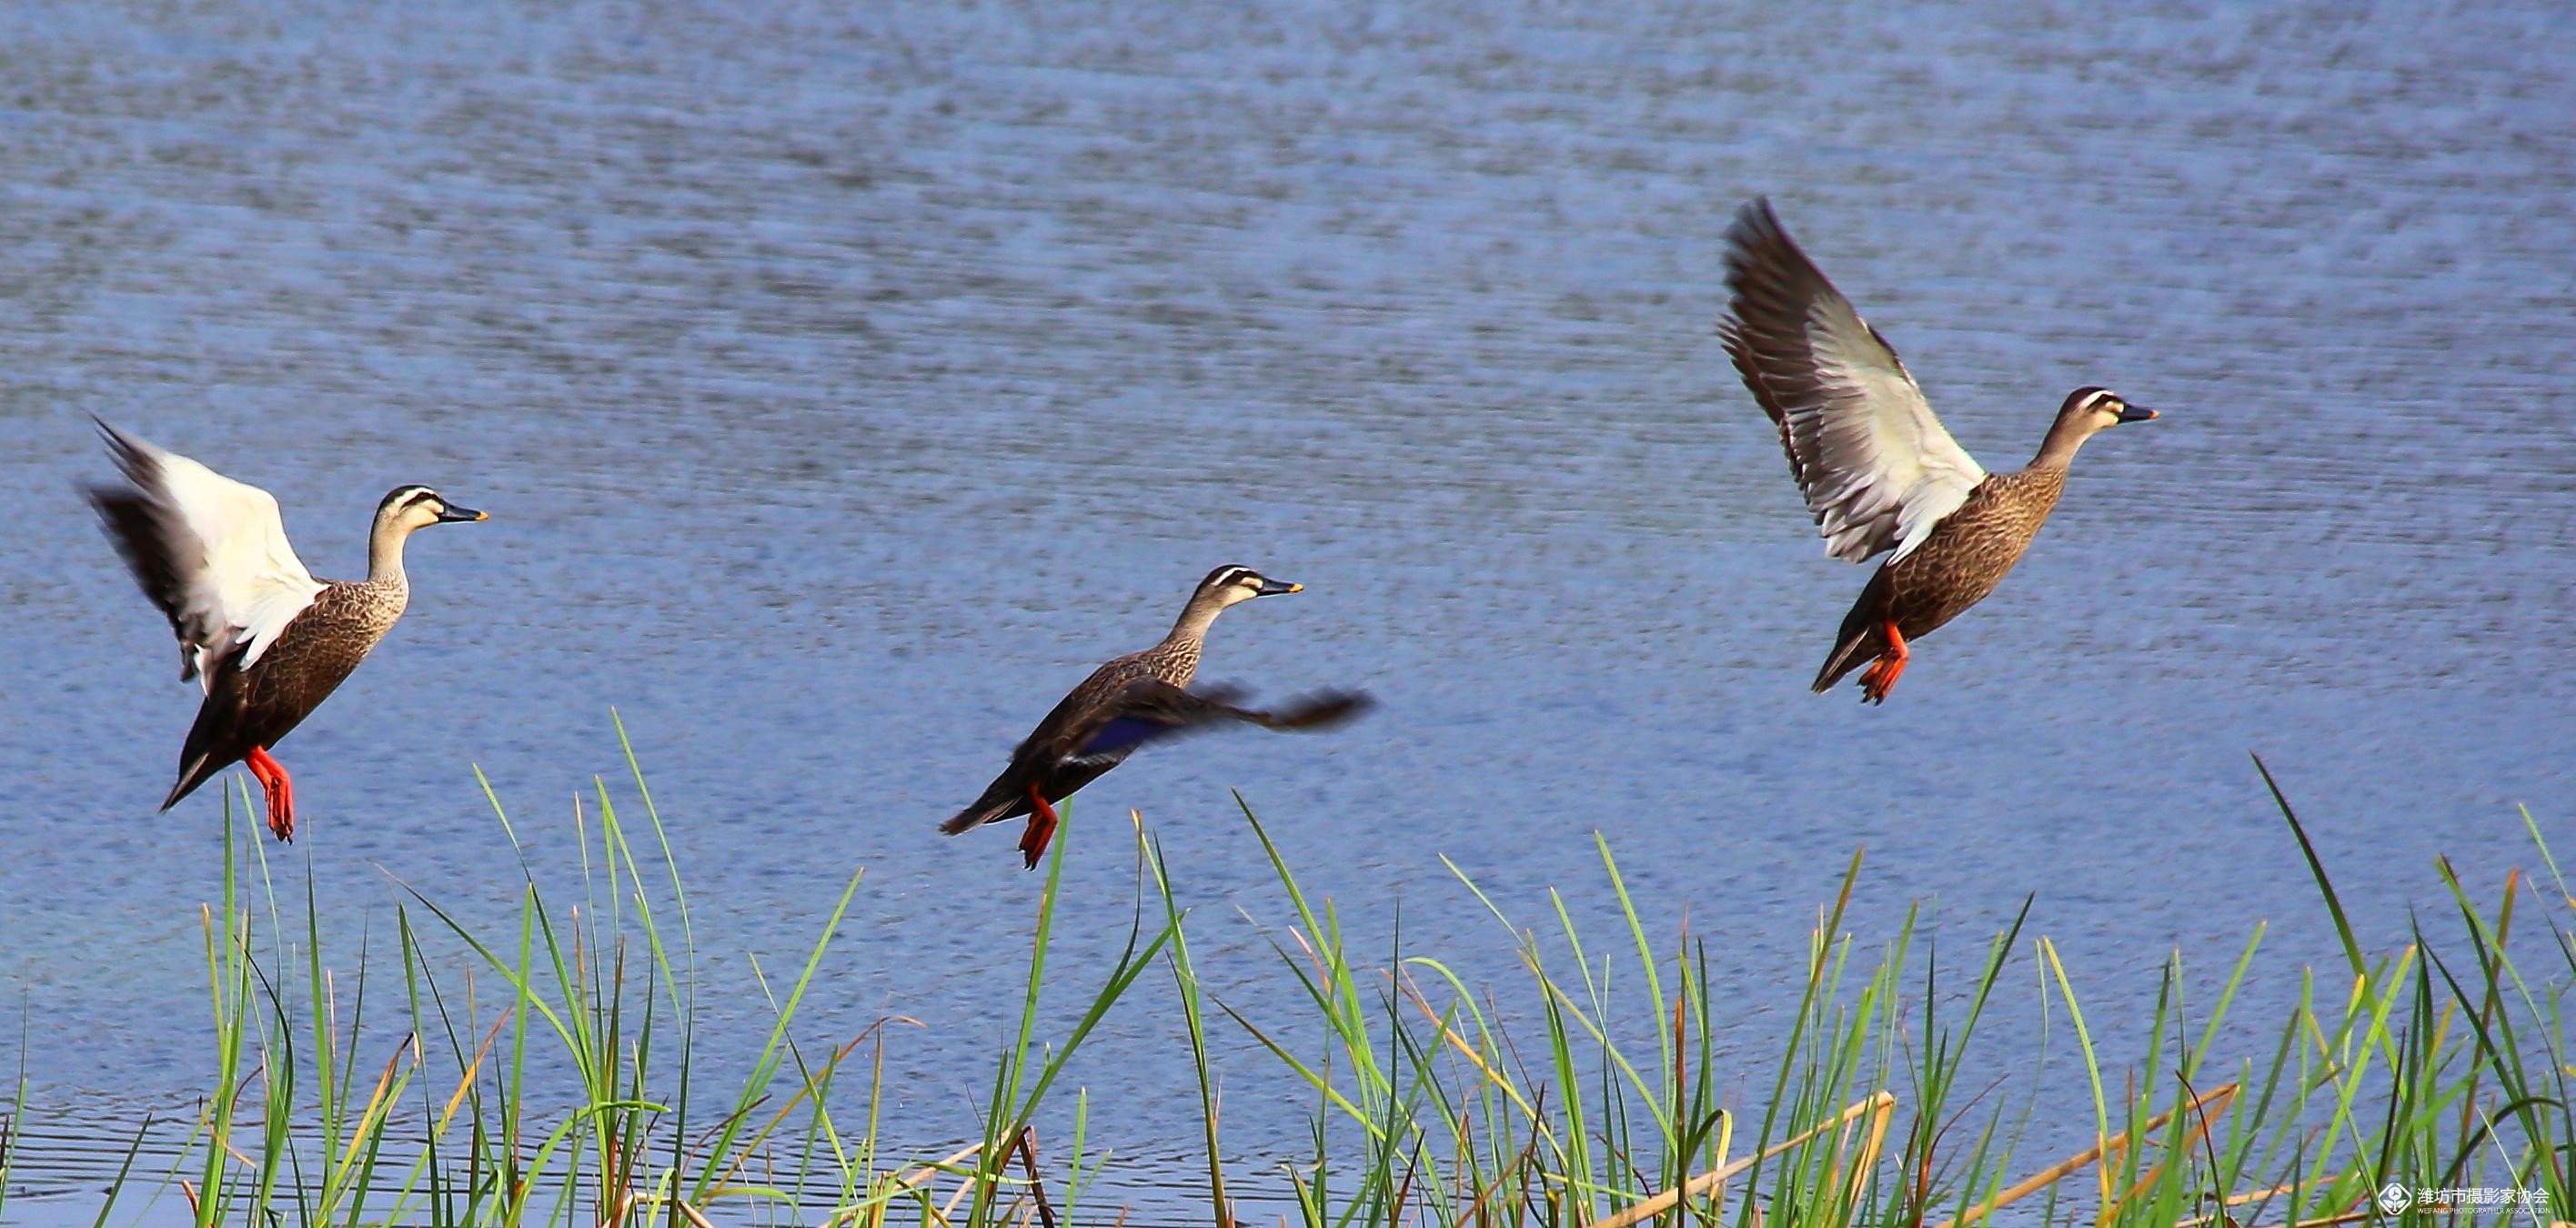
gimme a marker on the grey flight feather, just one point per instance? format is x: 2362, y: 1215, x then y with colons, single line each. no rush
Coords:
x: 1874, y: 463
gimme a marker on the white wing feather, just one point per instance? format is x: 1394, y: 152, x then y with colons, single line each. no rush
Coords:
x: 1876, y: 467
x: 1881, y: 470
x: 252, y: 582
x: 237, y: 581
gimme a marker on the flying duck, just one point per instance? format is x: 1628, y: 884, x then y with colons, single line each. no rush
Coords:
x: 1878, y: 471
x: 266, y: 640
x: 1133, y: 700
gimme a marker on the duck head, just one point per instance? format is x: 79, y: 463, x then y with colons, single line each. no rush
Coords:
x: 1235, y: 582
x: 406, y: 508
x: 2085, y: 412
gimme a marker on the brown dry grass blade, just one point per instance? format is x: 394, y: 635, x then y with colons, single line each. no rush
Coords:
x: 2198, y: 1136
x: 465, y: 1080
x: 1877, y: 1102
x: 2251, y: 1196
x: 1028, y: 1149
x: 2211, y: 1103
x: 1879, y: 1121
x: 1413, y: 993
x: 369, y: 1118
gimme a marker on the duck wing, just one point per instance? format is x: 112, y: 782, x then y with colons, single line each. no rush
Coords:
x: 210, y: 551
x: 1119, y: 708
x: 1149, y: 709
x: 1876, y: 466
x: 1144, y: 710
x: 1044, y: 755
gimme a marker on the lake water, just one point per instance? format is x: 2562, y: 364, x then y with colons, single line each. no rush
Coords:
x: 845, y: 380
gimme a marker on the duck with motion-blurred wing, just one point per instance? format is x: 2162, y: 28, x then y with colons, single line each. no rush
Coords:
x: 1133, y: 700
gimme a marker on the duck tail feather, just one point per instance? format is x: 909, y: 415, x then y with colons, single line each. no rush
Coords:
x: 1853, y: 652
x: 195, y: 771
x: 1861, y: 639
x: 994, y: 806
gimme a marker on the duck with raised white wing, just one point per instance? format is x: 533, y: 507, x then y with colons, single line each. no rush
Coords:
x: 1878, y: 471
x: 266, y: 640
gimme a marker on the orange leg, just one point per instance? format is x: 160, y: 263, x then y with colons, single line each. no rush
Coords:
x: 281, y: 791
x: 1881, y: 674
x: 1041, y: 828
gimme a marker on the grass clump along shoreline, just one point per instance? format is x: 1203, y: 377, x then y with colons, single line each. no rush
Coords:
x: 552, y: 1071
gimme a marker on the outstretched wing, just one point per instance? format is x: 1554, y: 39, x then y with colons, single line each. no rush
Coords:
x: 1117, y: 710
x: 1149, y: 710
x: 1146, y: 709
x: 1877, y: 469
x: 210, y: 551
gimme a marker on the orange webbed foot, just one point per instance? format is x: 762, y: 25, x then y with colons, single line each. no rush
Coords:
x: 280, y: 789
x: 1881, y: 675
x: 1041, y: 828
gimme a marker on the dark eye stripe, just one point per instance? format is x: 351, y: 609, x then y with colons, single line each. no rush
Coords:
x: 1232, y: 574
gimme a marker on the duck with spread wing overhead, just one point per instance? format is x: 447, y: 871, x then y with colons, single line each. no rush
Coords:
x: 266, y: 641
x: 1878, y: 471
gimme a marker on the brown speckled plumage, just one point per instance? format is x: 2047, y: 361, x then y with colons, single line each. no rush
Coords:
x: 1963, y: 560
x: 1042, y: 758
x: 1132, y: 700
x: 258, y: 706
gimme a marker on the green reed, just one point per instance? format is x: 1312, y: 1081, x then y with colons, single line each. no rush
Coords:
x: 1585, y: 1093
x: 549, y: 1068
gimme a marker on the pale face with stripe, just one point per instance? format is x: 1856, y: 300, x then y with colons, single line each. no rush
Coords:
x: 1234, y: 583
x: 2104, y: 407
x: 413, y: 507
